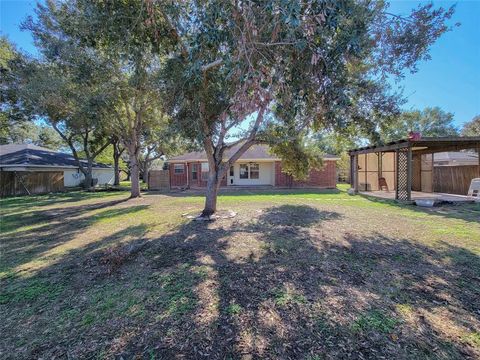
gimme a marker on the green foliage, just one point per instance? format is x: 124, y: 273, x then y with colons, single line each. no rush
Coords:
x: 106, y: 157
x: 429, y: 122
x: 234, y: 309
x: 473, y: 338
x: 33, y: 290
x: 297, y: 156
x: 10, y: 106
x: 284, y: 297
x: 7, y: 53
x: 472, y: 128
x: 32, y: 133
x: 375, y: 320
x: 61, y: 87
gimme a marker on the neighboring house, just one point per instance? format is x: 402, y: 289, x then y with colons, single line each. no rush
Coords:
x: 29, y: 169
x: 256, y: 167
x: 455, y: 158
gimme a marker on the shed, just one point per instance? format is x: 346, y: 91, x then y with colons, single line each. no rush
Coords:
x: 404, y: 169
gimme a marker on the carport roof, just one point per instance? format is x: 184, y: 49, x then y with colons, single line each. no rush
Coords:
x: 425, y: 145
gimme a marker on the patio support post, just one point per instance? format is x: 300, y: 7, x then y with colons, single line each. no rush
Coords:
x: 403, y: 174
x: 396, y: 173
x: 352, y: 162
x: 355, y: 173
x: 478, y: 152
x: 409, y: 174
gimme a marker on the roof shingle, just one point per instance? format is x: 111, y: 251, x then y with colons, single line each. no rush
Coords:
x: 32, y: 155
x: 255, y: 152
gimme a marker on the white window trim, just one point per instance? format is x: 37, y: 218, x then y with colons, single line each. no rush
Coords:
x: 250, y: 171
x: 240, y: 171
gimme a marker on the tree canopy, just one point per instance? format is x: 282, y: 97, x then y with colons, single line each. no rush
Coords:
x: 429, y: 122
x: 288, y: 66
x: 472, y: 128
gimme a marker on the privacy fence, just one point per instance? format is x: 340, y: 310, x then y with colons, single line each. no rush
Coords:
x: 13, y: 183
x: 158, y: 180
x: 454, y: 179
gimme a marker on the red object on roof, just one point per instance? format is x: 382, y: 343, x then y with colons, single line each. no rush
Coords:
x: 414, y: 135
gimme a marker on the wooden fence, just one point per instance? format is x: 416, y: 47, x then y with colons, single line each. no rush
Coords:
x: 454, y: 179
x: 14, y: 183
x: 158, y: 180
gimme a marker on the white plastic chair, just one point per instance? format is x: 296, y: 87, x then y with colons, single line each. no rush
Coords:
x: 474, y: 189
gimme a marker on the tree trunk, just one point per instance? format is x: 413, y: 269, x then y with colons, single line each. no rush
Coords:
x: 116, y: 166
x: 87, y: 182
x: 146, y: 168
x: 210, y: 198
x: 134, y: 173
x: 116, y: 180
x: 213, y: 184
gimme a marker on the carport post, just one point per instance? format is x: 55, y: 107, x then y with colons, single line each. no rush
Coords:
x: 409, y: 174
x: 478, y: 153
x: 354, y: 172
x: 403, y: 187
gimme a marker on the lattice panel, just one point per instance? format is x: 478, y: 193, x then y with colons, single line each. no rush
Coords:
x: 402, y: 191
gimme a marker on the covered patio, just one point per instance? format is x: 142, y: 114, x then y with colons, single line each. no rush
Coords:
x: 403, y: 169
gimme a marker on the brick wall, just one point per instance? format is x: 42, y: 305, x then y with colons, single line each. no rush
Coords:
x: 324, y: 178
x: 180, y: 180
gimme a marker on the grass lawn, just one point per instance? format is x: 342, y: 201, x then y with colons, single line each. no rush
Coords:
x: 295, y: 275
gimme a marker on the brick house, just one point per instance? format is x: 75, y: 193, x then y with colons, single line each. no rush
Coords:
x: 255, y: 167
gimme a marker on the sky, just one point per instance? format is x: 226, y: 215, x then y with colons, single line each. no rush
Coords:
x: 450, y: 80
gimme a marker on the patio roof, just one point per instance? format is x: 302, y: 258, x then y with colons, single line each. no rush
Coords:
x: 424, y: 145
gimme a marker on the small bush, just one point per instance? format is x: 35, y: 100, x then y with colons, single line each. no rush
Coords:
x: 234, y: 309
x: 283, y: 297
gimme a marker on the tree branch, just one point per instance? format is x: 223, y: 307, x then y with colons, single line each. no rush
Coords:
x: 104, y: 146
x: 212, y: 65
x: 69, y: 142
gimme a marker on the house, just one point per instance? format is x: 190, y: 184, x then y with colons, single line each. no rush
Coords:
x: 455, y: 158
x: 31, y: 169
x: 256, y: 167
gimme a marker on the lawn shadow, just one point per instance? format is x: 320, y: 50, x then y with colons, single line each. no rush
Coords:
x: 312, y: 297
x: 24, y: 202
x: 305, y: 296
x: 56, y: 228
x: 295, y: 291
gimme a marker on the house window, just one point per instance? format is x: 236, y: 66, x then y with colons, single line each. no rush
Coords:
x: 205, y: 169
x: 243, y: 171
x: 194, y: 172
x: 254, y: 171
x: 231, y: 171
x: 178, y: 168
